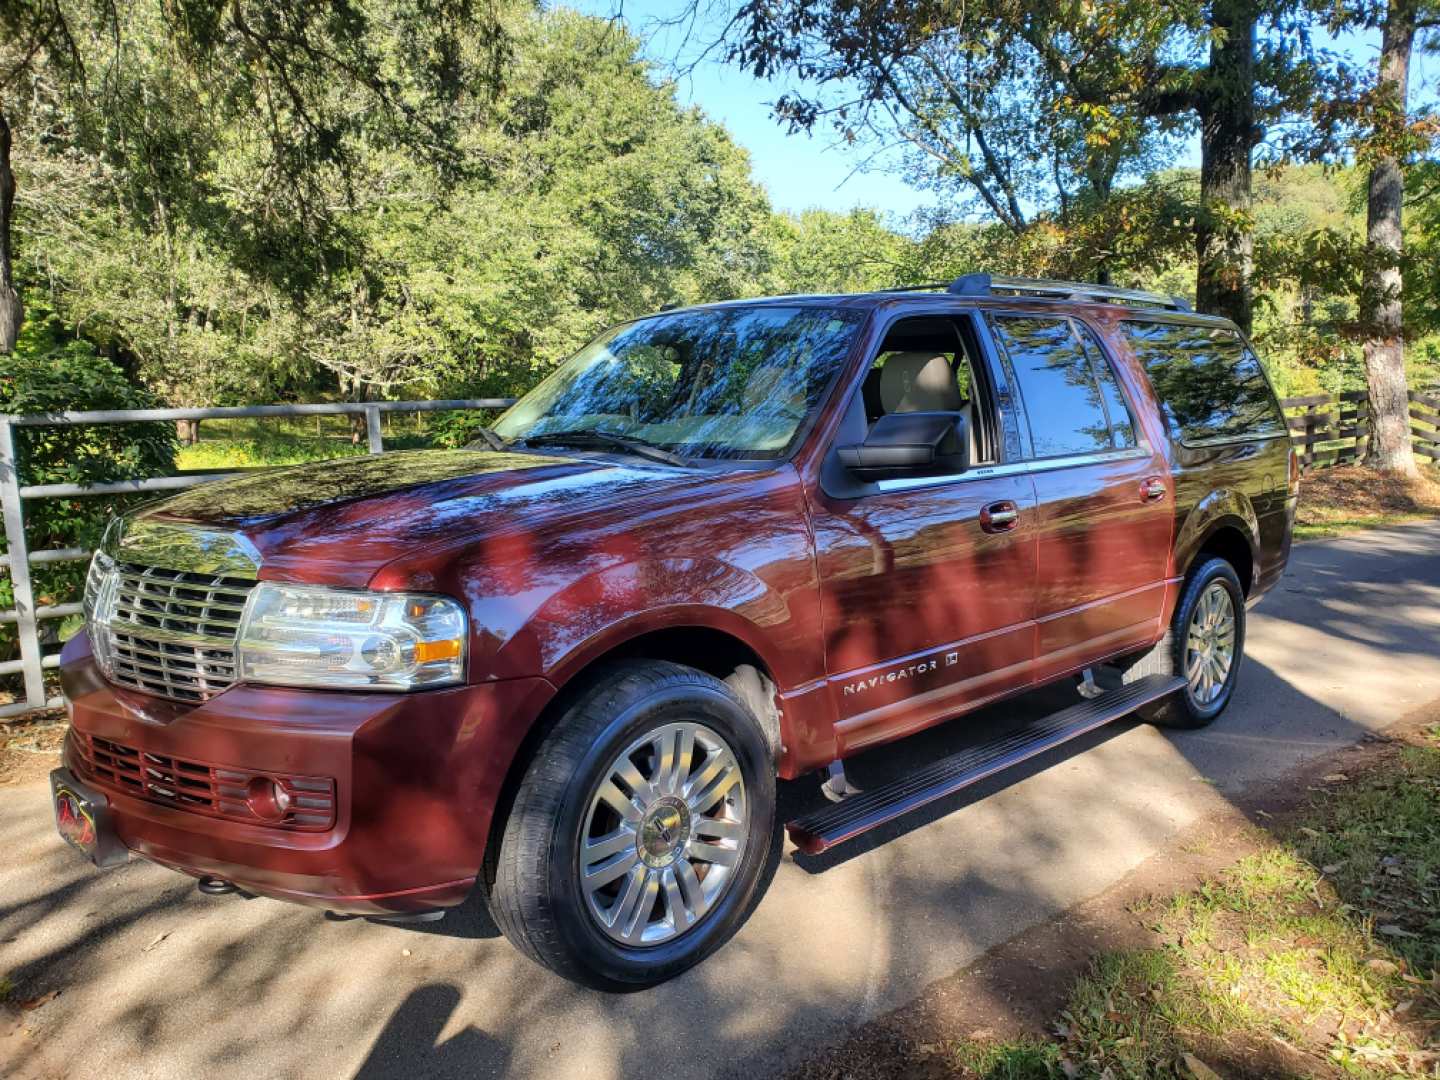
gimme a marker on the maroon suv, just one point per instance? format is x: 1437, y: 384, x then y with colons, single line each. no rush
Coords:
x: 718, y: 546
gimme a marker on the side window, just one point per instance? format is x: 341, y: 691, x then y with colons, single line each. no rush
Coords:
x: 1122, y: 424
x: 1208, y: 382
x: 1056, y: 383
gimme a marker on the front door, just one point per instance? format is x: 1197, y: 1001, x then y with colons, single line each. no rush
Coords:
x: 927, y: 582
x: 1105, y: 512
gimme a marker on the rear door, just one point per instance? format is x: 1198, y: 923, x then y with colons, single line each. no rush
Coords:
x: 1104, y: 499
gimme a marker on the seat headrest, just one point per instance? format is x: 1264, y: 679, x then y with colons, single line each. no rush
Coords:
x: 918, y: 382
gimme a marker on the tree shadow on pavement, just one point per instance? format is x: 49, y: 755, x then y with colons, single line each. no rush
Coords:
x: 410, y: 1044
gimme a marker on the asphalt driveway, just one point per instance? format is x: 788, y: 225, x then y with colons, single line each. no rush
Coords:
x: 156, y: 980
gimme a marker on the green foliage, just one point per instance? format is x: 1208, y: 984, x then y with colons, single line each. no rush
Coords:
x: 48, y: 373
x: 588, y: 195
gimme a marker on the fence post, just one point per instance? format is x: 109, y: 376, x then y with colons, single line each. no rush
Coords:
x: 20, y: 568
x: 372, y: 429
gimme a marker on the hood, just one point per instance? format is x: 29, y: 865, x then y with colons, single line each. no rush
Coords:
x: 338, y: 522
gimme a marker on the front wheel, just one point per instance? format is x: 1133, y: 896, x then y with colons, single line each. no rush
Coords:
x: 641, y: 832
x: 1205, y: 645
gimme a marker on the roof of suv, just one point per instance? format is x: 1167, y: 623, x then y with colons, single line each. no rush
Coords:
x: 983, y: 286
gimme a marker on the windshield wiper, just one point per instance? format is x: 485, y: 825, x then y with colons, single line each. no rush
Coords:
x: 490, y: 439
x: 582, y: 437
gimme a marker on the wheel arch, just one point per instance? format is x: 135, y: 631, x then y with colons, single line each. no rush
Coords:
x: 697, y: 644
x: 1223, y: 524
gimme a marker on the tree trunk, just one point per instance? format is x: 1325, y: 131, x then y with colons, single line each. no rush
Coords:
x: 1380, y: 303
x: 1223, y: 241
x: 11, y: 311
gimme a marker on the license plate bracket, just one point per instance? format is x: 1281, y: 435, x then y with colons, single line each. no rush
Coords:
x: 82, y: 817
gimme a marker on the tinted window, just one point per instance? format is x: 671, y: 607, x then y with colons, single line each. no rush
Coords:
x: 1057, y: 385
x: 1209, y: 384
x: 1122, y: 425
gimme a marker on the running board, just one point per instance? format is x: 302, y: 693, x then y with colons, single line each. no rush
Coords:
x: 824, y: 828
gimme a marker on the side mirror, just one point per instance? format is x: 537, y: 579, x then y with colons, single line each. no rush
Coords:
x: 908, y: 444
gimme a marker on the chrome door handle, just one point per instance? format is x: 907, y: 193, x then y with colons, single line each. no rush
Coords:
x: 1000, y: 517
x: 1152, y: 489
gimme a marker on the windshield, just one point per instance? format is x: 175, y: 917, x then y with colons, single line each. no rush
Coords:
x: 735, y: 382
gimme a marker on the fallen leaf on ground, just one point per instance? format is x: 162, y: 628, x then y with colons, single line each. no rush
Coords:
x: 157, y: 941
x: 36, y: 1002
x: 1197, y: 1068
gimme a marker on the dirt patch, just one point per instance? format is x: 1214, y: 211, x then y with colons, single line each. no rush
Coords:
x: 30, y: 746
x: 1349, y: 495
x: 1005, y: 1015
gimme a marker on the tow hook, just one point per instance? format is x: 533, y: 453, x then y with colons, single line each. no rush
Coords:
x: 214, y: 886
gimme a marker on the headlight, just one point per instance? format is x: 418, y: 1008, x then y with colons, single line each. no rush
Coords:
x: 299, y: 635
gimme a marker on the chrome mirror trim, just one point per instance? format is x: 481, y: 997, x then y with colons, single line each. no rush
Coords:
x: 187, y: 548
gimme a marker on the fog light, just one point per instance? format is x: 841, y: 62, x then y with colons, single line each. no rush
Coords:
x: 267, y: 799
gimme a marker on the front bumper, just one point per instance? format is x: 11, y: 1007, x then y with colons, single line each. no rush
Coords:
x: 417, y: 777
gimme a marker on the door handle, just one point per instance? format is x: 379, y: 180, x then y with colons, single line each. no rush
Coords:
x: 1000, y: 517
x: 1152, y: 489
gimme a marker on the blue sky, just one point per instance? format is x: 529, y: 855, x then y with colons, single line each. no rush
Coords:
x: 802, y: 171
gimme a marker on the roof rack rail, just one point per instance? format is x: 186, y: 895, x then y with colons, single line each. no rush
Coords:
x: 988, y: 285
x: 927, y: 287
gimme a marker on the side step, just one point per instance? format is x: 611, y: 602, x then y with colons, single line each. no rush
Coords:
x: 831, y: 825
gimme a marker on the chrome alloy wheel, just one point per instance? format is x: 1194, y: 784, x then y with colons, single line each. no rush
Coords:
x: 664, y: 834
x: 1210, y: 644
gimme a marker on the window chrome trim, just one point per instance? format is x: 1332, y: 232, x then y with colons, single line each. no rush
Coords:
x: 1014, y: 468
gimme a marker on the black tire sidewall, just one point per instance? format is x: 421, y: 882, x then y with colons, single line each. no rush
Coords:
x: 599, y: 960
x: 1191, y: 713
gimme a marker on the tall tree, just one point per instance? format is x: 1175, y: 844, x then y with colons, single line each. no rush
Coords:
x: 291, y: 95
x: 1394, y: 138
x: 1102, y: 82
x: 11, y: 313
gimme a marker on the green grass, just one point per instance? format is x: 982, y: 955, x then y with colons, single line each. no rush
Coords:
x: 1317, y: 955
x: 1341, y: 526
x: 250, y: 443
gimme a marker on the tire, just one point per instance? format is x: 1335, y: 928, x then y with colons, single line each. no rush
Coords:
x: 673, y: 900
x: 1194, y: 707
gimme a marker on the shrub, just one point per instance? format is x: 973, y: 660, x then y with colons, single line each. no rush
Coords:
x: 43, y: 375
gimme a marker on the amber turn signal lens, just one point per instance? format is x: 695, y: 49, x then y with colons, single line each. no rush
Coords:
x: 425, y: 651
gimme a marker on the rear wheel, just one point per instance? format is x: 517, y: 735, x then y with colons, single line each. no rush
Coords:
x: 641, y: 832
x: 1205, y: 644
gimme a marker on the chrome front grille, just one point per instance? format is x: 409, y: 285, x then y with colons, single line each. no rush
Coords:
x: 172, y: 632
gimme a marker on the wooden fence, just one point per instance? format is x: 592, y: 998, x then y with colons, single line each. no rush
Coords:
x: 1334, y: 429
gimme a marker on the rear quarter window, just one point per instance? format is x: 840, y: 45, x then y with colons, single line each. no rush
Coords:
x: 1208, y: 382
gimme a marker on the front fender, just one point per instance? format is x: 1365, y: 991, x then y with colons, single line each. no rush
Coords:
x: 602, y: 610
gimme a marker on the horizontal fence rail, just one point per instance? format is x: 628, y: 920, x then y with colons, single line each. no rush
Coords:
x: 1425, y: 425
x: 1334, y: 429
x: 17, y: 559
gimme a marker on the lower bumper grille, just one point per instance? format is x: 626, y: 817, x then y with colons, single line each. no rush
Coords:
x: 308, y: 802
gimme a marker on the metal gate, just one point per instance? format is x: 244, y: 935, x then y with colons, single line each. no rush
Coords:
x: 18, y: 558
